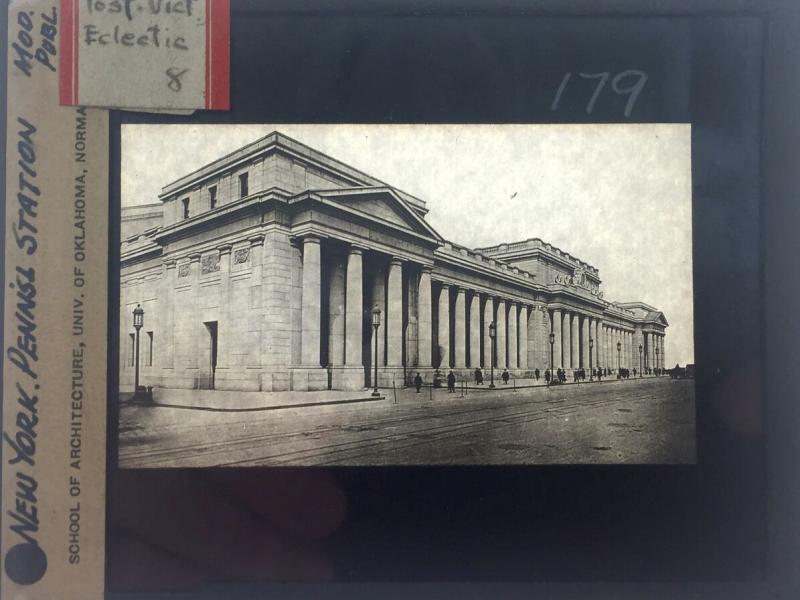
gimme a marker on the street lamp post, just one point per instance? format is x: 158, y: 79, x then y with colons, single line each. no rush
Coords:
x: 619, y: 349
x: 138, y: 321
x: 552, y: 341
x: 376, y: 323
x: 591, y: 372
x: 491, y: 359
x: 640, y: 360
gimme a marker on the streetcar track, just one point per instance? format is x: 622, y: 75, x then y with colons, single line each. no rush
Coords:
x: 352, y: 450
x: 380, y: 440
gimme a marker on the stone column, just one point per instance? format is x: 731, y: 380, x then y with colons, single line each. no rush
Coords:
x: 575, y: 343
x: 631, y: 351
x: 394, y: 315
x: 596, y: 335
x: 656, y: 352
x: 460, y: 333
x: 475, y: 330
x: 351, y: 376
x: 444, y: 326
x: 379, y: 300
x: 585, y: 334
x: 310, y: 319
x: 624, y: 349
x: 556, y: 328
x: 654, y: 361
x: 612, y: 345
x: 566, y: 341
x: 336, y: 312
x: 500, y: 331
x: 534, y: 338
x: 663, y: 353
x: 488, y: 318
x: 623, y: 362
x: 522, y: 328
x: 628, y: 361
x: 655, y: 345
x: 612, y: 352
x: 354, y: 311
x: 512, y: 335
x: 425, y: 332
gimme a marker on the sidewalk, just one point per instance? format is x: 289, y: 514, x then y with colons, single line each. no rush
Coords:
x: 528, y: 383
x: 235, y: 401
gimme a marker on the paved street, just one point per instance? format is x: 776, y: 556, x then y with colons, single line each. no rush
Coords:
x: 632, y: 422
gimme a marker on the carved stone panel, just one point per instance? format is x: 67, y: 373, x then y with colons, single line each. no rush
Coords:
x: 209, y: 264
x: 241, y: 256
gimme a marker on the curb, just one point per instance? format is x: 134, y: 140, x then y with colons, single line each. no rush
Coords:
x: 271, y: 407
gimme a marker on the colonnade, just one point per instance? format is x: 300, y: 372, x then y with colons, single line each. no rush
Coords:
x: 462, y: 339
x: 653, y: 350
x: 580, y: 340
x: 468, y: 329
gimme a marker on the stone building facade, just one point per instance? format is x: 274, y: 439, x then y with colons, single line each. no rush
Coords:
x: 264, y: 266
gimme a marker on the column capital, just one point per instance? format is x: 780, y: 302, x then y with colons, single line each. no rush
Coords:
x: 427, y: 269
x: 355, y: 249
x: 170, y: 263
x: 255, y: 240
x: 310, y: 238
x: 461, y: 289
x: 396, y: 262
x: 194, y: 257
x: 224, y: 249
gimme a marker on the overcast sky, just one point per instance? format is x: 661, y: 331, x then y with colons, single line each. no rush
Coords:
x: 615, y: 196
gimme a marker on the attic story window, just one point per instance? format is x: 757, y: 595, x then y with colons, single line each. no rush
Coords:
x: 212, y: 197
x: 243, y: 191
x: 185, y: 208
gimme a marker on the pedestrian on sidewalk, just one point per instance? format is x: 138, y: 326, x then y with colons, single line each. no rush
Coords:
x: 418, y: 382
x: 536, y: 374
x: 451, y: 382
x: 478, y: 376
x: 505, y: 376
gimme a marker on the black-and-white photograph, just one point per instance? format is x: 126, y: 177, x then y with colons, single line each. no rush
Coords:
x: 366, y: 295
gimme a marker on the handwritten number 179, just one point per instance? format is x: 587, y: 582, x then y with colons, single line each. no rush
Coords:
x: 627, y: 82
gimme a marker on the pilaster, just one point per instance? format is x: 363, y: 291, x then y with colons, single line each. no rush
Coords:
x: 425, y: 334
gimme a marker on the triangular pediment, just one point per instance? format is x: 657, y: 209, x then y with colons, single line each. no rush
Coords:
x: 380, y: 204
x: 657, y: 316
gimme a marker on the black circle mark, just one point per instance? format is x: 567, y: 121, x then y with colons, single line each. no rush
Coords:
x: 25, y: 563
